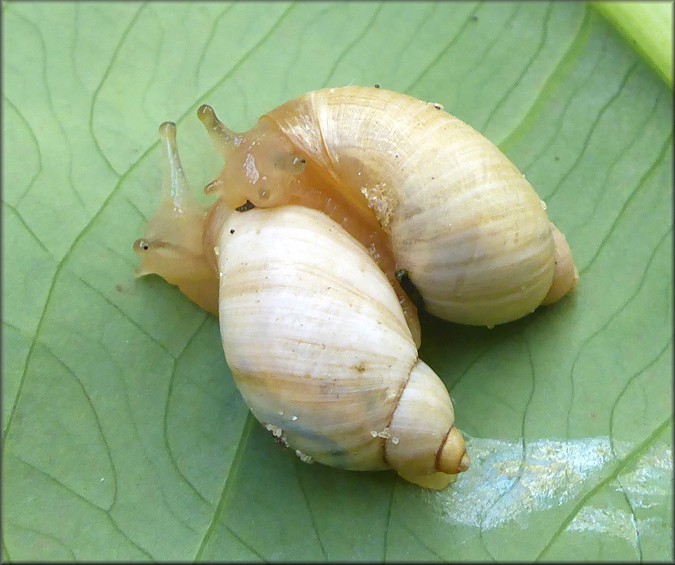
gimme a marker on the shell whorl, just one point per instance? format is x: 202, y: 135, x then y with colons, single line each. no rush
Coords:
x: 464, y: 223
x: 323, y: 355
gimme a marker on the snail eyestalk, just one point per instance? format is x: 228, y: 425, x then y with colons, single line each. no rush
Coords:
x: 173, y: 243
x: 222, y: 138
x: 175, y: 186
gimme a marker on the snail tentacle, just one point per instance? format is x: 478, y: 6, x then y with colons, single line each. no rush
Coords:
x: 221, y: 136
x: 173, y: 246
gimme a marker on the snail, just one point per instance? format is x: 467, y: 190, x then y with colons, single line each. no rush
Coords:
x: 321, y: 207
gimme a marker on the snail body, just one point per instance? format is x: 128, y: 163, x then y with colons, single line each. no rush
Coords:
x: 320, y: 206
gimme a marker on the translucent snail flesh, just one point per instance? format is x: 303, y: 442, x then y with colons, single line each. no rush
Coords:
x: 420, y: 191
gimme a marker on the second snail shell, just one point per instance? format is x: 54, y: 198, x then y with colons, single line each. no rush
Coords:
x: 319, y: 206
x: 323, y: 355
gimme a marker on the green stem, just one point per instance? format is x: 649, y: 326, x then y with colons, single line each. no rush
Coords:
x: 648, y: 27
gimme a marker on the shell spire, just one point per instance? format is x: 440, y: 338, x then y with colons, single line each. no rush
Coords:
x: 424, y: 446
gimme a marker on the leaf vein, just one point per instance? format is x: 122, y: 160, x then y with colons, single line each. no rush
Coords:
x: 627, y: 385
x: 312, y: 518
x: 36, y: 144
x: 619, y: 158
x: 592, y: 129
x: 97, y: 421
x: 97, y: 90
x: 124, y: 315
x: 536, y: 52
x: 523, y: 457
x: 422, y: 543
x: 385, y: 545
x: 29, y: 230
x: 209, y: 39
x: 651, y: 170
x: 49, y: 536
x: 558, y: 70
x: 54, y: 114
x: 242, y: 60
x: 609, y: 320
x: 225, y: 494
x: 165, y: 425
x: 444, y: 50
x: 367, y: 28
x: 639, y: 450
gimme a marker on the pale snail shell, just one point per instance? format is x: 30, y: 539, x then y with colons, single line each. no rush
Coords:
x: 423, y: 193
x: 459, y: 217
x: 323, y: 355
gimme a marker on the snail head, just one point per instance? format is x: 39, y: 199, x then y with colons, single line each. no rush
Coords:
x: 261, y: 167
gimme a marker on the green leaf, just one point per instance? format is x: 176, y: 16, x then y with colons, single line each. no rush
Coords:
x: 124, y: 436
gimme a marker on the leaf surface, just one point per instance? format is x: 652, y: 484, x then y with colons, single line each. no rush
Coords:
x: 124, y: 435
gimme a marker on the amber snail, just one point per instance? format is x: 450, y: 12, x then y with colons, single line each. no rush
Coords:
x: 319, y: 207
